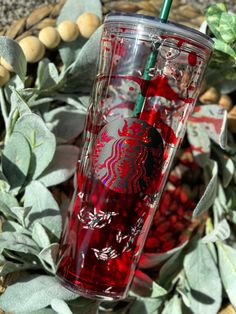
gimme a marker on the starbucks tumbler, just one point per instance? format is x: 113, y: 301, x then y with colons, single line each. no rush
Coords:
x: 149, y: 74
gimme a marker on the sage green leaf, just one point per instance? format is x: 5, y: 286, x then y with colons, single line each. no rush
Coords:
x: 209, y: 195
x: 62, y: 167
x: 83, y: 305
x: 74, y: 8
x: 49, y: 255
x: 173, y: 306
x: 44, y: 210
x: 18, y: 242
x: 13, y: 54
x: 42, y: 141
x: 9, y: 267
x: 17, y: 102
x: 69, y: 51
x: 88, y: 56
x: 66, y: 123
x: 227, y: 27
x: 150, y: 260
x: 16, y: 160
x: 60, y: 306
x: 227, y: 266
x: 42, y: 311
x: 15, y: 83
x: 146, y: 305
x: 213, y: 17
x: 170, y: 269
x: 47, y: 75
x: 231, y: 198
x: 221, y: 232
x: 227, y: 168
x: 204, y: 280
x: 7, y: 200
x: 33, y: 293
x: 183, y: 289
x: 39, y: 235
x: 20, y: 213
x: 144, y: 286
x: 12, y: 226
x: 225, y: 48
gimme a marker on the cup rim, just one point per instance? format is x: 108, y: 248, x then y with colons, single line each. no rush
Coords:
x: 180, y: 29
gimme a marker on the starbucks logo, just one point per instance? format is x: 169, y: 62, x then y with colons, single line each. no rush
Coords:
x: 128, y: 155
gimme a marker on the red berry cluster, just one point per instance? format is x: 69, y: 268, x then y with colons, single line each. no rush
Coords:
x: 173, y: 224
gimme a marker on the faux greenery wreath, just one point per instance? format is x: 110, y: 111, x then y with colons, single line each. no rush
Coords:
x: 40, y: 143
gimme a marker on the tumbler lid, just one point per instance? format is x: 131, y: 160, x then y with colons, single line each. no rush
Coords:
x: 150, y: 21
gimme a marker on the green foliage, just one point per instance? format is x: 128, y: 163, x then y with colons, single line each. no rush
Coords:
x: 223, y: 26
x: 42, y: 125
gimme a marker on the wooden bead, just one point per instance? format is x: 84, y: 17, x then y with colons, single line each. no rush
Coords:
x: 50, y: 37
x: 4, y: 75
x: 88, y: 23
x: 68, y: 31
x: 211, y: 96
x: 6, y: 65
x: 226, y: 102
x: 33, y: 49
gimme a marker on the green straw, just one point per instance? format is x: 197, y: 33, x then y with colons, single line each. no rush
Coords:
x: 151, y: 61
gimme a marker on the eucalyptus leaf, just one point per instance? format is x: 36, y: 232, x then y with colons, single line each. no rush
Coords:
x: 62, y: 167
x: 60, y: 306
x: 44, y: 210
x: 40, y: 236
x: 49, y: 255
x: 33, y: 293
x: 173, y: 306
x: 74, y: 8
x: 144, y: 286
x: 16, y: 160
x: 66, y: 123
x: 221, y: 232
x: 209, y: 195
x: 18, y: 242
x: 202, y: 273
x: 227, y: 27
x: 41, y: 140
x: 227, y: 262
x: 11, y: 51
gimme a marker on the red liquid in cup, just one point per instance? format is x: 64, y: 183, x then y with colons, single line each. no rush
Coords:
x: 124, y: 164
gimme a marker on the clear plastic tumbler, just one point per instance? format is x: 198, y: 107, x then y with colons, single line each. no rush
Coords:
x: 133, y: 130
